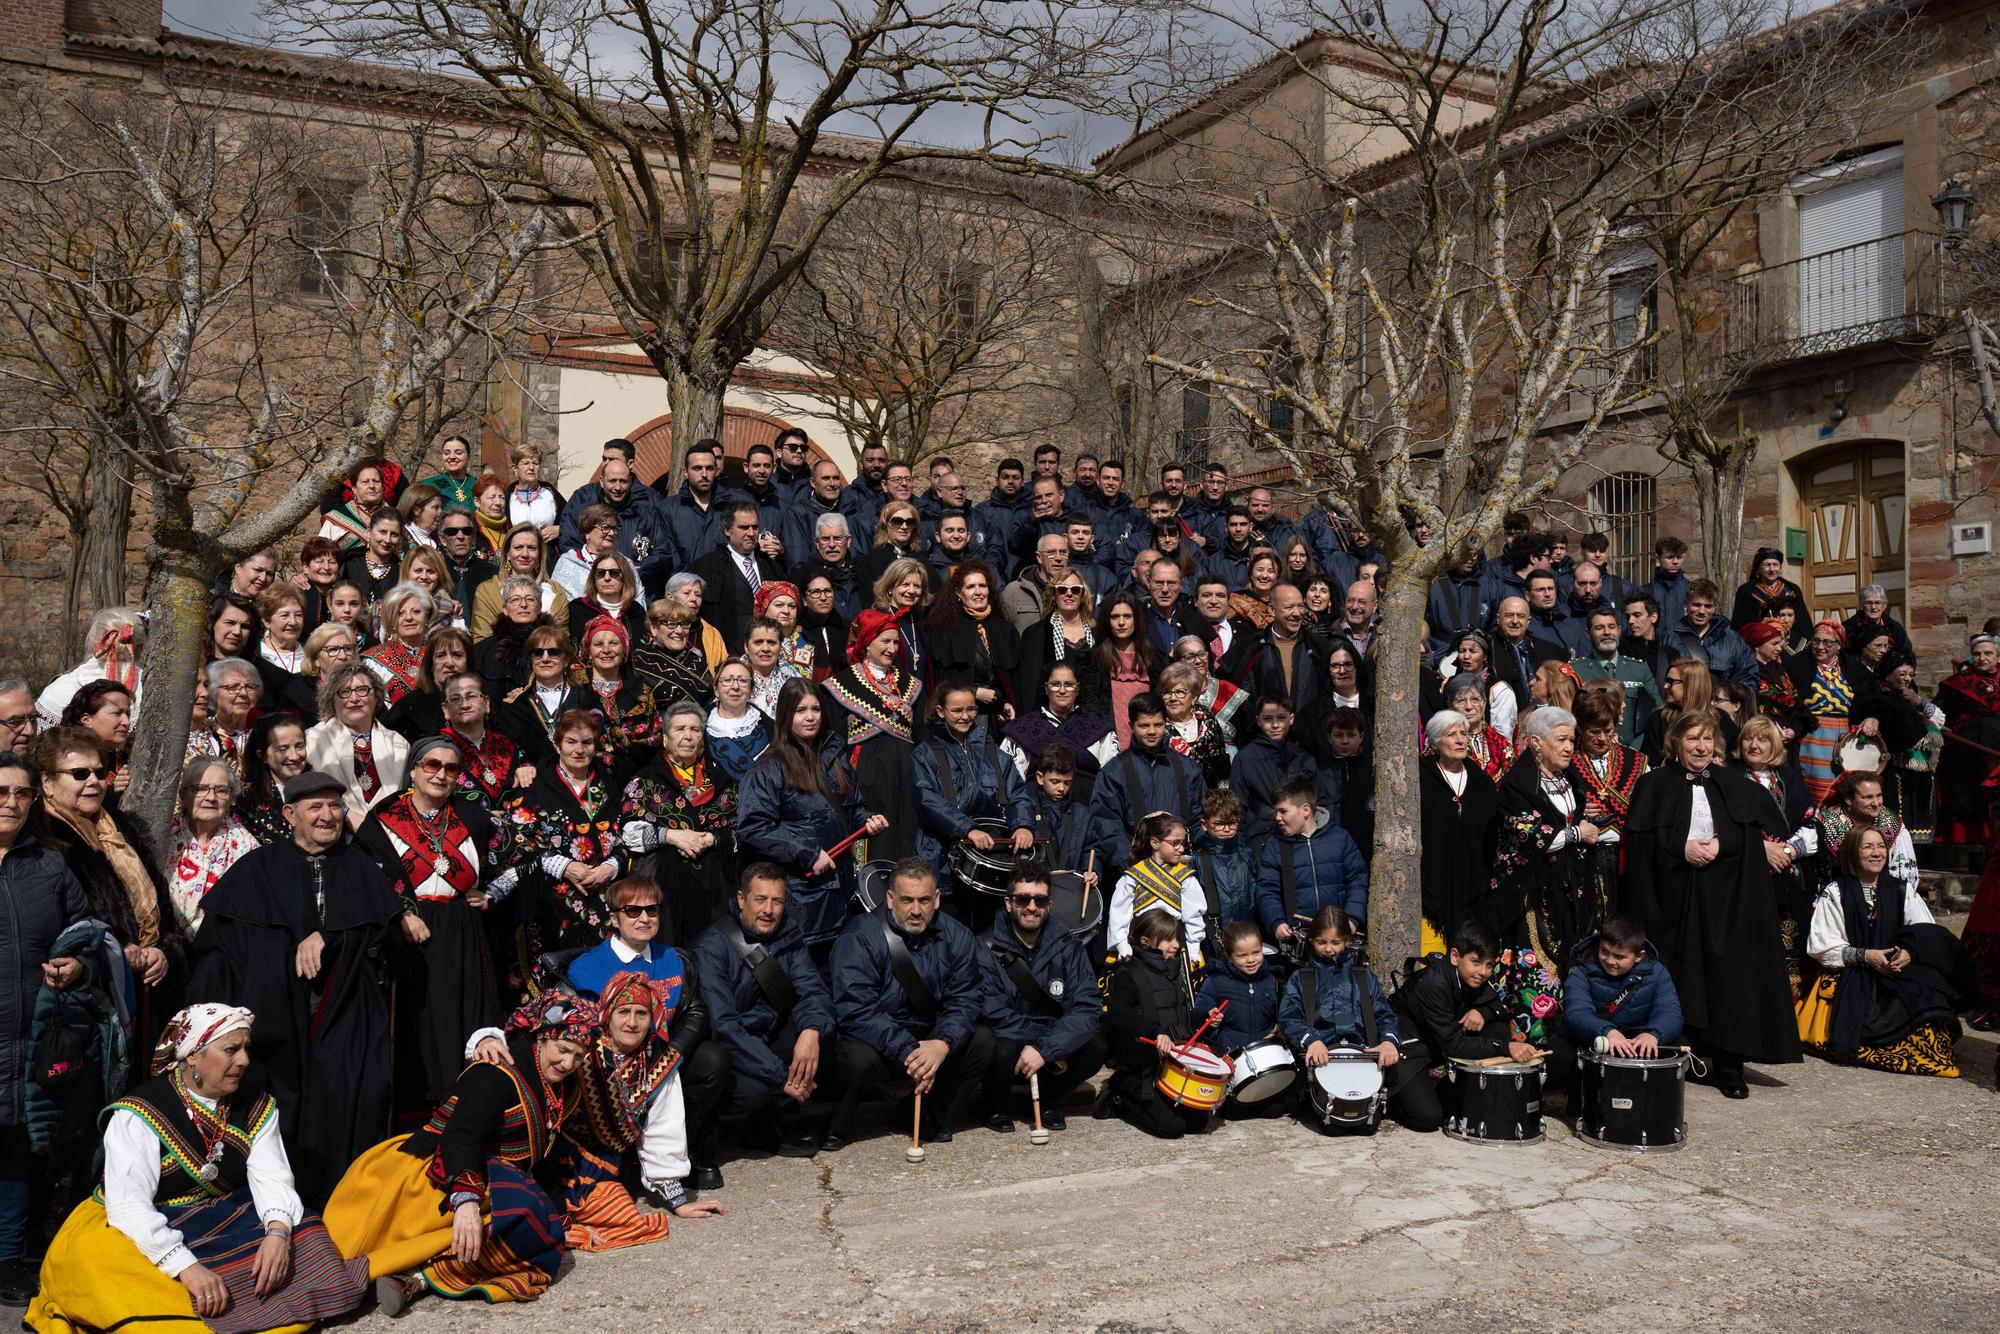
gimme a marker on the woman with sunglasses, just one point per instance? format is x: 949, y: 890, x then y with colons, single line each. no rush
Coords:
x: 669, y: 657
x: 528, y: 713
x: 352, y: 743
x: 612, y: 590
x: 1067, y: 635
x: 896, y: 533
x: 420, y: 712
x: 441, y: 852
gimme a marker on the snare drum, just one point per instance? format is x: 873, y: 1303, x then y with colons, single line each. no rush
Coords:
x: 1073, y: 906
x: 1347, y: 1090
x: 1195, y: 1079
x: 871, y: 885
x: 1632, y: 1103
x: 1264, y: 1070
x: 1495, y: 1104
x: 987, y: 872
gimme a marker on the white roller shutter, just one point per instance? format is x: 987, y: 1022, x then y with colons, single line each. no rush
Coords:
x: 1851, y: 252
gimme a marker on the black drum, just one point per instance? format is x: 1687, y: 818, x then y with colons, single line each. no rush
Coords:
x: 1632, y: 1103
x: 1074, y: 907
x: 871, y: 885
x: 1494, y: 1104
x: 987, y: 872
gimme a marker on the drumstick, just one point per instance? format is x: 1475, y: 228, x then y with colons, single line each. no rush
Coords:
x: 1205, y: 1025
x: 1089, y: 868
x: 915, y: 1153
x: 1037, y: 1135
x: 847, y: 842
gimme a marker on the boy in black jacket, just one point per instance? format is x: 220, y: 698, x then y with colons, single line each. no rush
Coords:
x: 1454, y: 1009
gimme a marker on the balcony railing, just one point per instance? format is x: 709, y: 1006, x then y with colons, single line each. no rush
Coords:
x: 1871, y: 292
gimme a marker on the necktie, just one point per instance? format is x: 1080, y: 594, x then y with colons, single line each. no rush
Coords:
x: 750, y: 573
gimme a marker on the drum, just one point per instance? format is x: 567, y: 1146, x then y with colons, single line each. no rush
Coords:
x: 1347, y: 1090
x: 987, y: 872
x: 1264, y: 1070
x: 1074, y: 907
x: 1495, y: 1104
x: 1859, y: 753
x: 1196, y: 1079
x: 871, y: 885
x: 1633, y: 1103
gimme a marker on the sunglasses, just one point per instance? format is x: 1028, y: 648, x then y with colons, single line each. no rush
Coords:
x: 1031, y: 900
x: 639, y: 910
x: 1070, y: 590
x: 545, y: 653
x: 901, y: 523
x: 445, y: 767
x: 455, y: 532
x: 83, y: 773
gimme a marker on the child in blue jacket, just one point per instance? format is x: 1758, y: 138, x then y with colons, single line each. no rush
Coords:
x: 1238, y: 975
x: 1619, y: 998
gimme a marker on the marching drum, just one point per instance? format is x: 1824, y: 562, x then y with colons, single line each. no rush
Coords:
x: 1074, y: 907
x: 987, y: 872
x: 871, y: 885
x: 1347, y: 1090
x: 1634, y: 1103
x: 1495, y: 1104
x: 1264, y: 1070
x: 1195, y: 1079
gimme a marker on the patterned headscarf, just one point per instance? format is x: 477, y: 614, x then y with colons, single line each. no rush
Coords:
x: 599, y: 625
x: 868, y: 627
x: 194, y: 1028
x: 557, y: 1012
x: 1835, y: 630
x: 633, y: 988
x: 774, y: 588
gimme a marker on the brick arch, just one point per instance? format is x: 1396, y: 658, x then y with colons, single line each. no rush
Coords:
x: 741, y: 428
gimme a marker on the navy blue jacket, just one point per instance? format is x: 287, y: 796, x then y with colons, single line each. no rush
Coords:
x: 1113, y: 519
x: 1327, y: 868
x: 1253, y: 1004
x: 986, y: 785
x: 1456, y: 604
x: 1064, y: 826
x: 1671, y: 592
x: 739, y: 1015
x: 1166, y: 781
x: 868, y: 1001
x: 798, y: 529
x: 1653, y: 1007
x: 1062, y: 966
x: 1496, y: 585
x: 995, y: 520
x: 863, y: 500
x: 1228, y: 871
x: 771, y: 507
x: 1337, y: 1000
x: 1260, y: 765
x: 775, y: 823
x: 1727, y: 656
x: 644, y: 536
x: 1233, y: 566
x: 696, y: 532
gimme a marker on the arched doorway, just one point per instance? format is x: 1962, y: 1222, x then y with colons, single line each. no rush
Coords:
x: 1853, y: 505
x: 741, y: 428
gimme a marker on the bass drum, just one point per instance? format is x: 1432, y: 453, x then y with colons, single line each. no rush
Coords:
x: 1347, y: 1091
x: 987, y: 872
x: 1074, y: 907
x: 1495, y: 1104
x: 871, y: 885
x: 1634, y: 1103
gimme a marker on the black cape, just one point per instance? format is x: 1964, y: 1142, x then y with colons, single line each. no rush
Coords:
x: 1458, y: 834
x: 1716, y: 926
x: 323, y: 1044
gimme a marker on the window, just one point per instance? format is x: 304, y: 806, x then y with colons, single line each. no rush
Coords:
x: 1621, y: 506
x: 1193, y: 439
x: 321, y: 232
x: 1126, y: 398
x: 1632, y: 307
x: 960, y: 288
x: 1278, y: 415
x: 1850, y: 243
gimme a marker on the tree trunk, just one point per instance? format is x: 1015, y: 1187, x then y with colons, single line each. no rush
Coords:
x: 110, y: 526
x: 177, y: 603
x: 696, y: 404
x: 1719, y: 483
x: 72, y: 613
x: 1395, y: 895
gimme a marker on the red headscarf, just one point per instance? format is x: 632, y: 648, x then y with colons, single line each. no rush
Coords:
x: 634, y: 988
x: 600, y: 624
x: 1758, y: 633
x: 1834, y: 628
x: 769, y: 589
x: 868, y: 627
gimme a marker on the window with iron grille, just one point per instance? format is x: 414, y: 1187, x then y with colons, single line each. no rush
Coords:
x: 320, y: 230
x: 1621, y: 506
x: 1193, y: 439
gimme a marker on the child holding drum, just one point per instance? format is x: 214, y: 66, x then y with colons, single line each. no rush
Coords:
x: 1148, y: 1017
x: 1348, y: 1009
x: 1453, y: 1008
x: 1618, y: 997
x: 1237, y: 975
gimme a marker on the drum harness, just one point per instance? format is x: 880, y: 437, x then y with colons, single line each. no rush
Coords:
x: 1028, y: 986
x: 1133, y: 789
x: 1298, y: 947
x: 1309, y: 997
x: 950, y: 784
x: 915, y: 990
x: 765, y: 970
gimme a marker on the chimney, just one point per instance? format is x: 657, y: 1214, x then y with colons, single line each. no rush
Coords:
x: 115, y: 18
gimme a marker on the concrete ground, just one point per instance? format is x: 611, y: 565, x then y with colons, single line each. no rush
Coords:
x: 1831, y: 1198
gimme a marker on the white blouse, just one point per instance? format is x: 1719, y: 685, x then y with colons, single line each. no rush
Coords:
x: 132, y: 1179
x: 1826, y: 938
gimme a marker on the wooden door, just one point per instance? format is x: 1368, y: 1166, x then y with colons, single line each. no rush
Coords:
x: 1853, y: 506
x: 741, y: 428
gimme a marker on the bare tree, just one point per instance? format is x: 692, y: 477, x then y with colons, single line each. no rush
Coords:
x: 1731, y: 99
x: 931, y: 314
x: 678, y: 139
x: 246, y: 393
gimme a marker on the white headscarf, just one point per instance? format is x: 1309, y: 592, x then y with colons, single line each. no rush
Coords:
x: 194, y: 1028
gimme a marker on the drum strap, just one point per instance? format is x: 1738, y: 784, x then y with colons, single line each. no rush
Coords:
x: 1309, y: 996
x: 764, y: 968
x: 1136, y: 793
x: 1288, y: 882
x: 1029, y: 988
x: 950, y: 784
x: 1616, y: 1003
x: 915, y: 989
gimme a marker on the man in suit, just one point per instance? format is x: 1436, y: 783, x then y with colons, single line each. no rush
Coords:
x: 1516, y: 653
x: 733, y: 573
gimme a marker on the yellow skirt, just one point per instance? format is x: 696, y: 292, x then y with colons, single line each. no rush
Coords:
x: 1431, y: 940
x: 1814, y: 1011
x: 1926, y: 1050
x: 95, y: 1279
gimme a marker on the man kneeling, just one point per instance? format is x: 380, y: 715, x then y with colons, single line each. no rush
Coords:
x: 1044, y: 1004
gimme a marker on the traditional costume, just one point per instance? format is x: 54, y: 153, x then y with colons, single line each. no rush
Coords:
x: 551, y: 823
x: 1607, y: 782
x: 700, y: 799
x: 1968, y: 779
x: 882, y: 709
x: 1829, y: 698
x: 1460, y: 819
x: 396, y: 665
x: 1152, y: 883
x: 1539, y: 897
x: 735, y: 744
x: 1904, y: 1022
x: 396, y: 1205
x: 191, y: 1179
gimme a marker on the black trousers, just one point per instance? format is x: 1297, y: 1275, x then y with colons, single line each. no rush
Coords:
x: 859, y: 1067
x: 1143, y: 1107
x: 753, y: 1097
x: 705, y: 1074
x: 1056, y: 1084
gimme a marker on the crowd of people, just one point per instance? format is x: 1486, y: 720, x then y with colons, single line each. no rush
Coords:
x: 535, y: 854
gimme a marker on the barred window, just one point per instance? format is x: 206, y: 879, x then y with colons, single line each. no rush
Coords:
x: 1621, y: 506
x: 320, y: 230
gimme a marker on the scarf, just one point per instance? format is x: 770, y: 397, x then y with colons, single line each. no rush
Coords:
x: 876, y: 708
x: 104, y: 837
x: 1060, y: 642
x: 194, y: 1028
x: 695, y: 781
x: 1612, y: 792
x: 494, y: 531
x: 433, y: 847
x: 675, y: 675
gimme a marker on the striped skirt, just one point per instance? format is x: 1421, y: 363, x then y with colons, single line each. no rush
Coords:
x: 1817, y: 754
x: 95, y: 1278
x: 386, y: 1209
x: 600, y: 1212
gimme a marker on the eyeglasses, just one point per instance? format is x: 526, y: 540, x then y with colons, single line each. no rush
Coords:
x: 212, y: 790
x: 20, y: 794
x: 464, y: 697
x: 545, y: 653
x: 355, y: 692
x: 239, y: 687
x: 83, y: 773
x: 1062, y: 685
x: 444, y: 767
x: 17, y: 723
x: 819, y: 592
x: 341, y: 650
x: 639, y: 910
x: 1673, y: 680
x: 1031, y: 900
